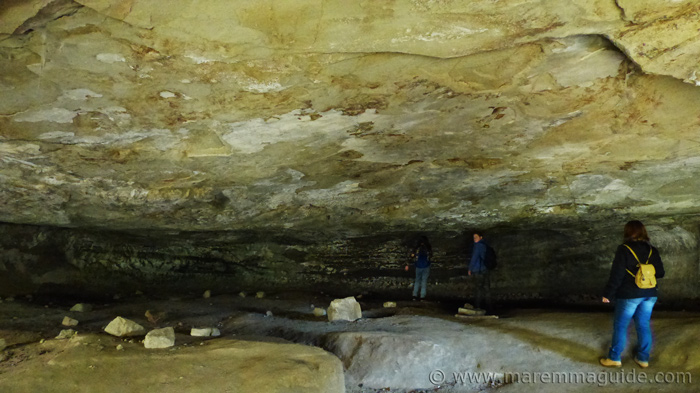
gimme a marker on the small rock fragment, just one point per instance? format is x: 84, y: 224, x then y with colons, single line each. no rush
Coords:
x: 242, y: 294
x: 260, y: 295
x: 120, y: 347
x: 207, y: 294
x: 268, y: 313
x: 203, y: 332
x: 66, y: 333
x: 68, y: 321
x: 154, y: 317
x: 470, y: 311
x: 121, y: 327
x: 160, y: 338
x: 389, y: 304
x: 81, y: 307
x: 215, y: 332
x: 319, y: 312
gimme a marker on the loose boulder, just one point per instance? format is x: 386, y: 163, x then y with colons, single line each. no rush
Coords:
x: 347, y: 309
x: 122, y: 327
x: 160, y: 338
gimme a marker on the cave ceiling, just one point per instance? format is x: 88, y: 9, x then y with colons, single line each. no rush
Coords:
x: 347, y: 118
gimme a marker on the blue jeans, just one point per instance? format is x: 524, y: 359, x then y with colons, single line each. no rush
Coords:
x: 421, y: 281
x: 625, y: 310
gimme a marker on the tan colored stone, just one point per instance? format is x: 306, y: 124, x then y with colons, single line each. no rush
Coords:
x: 470, y: 311
x: 291, y: 111
x: 68, y: 321
x: 122, y: 327
x: 13, y: 14
x: 81, y: 307
x: 346, y: 309
x: 244, y: 366
x: 160, y: 338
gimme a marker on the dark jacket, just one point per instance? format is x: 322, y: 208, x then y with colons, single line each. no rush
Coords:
x: 423, y: 255
x: 476, y: 264
x: 621, y: 283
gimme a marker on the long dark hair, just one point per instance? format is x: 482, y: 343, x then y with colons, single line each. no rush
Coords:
x: 423, y: 240
x: 635, y: 231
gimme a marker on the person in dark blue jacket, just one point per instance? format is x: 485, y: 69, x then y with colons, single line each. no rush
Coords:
x: 478, y: 270
x: 423, y: 254
x: 632, y: 302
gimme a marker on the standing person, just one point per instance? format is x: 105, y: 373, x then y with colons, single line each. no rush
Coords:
x: 633, y: 300
x: 480, y: 273
x: 423, y: 254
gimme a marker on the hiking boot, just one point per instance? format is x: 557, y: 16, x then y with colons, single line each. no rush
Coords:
x: 610, y: 363
x: 641, y: 363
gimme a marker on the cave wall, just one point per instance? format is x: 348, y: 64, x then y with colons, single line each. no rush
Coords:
x: 558, y: 265
x: 235, y: 145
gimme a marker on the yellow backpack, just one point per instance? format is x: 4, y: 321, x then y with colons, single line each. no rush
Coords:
x: 646, y: 275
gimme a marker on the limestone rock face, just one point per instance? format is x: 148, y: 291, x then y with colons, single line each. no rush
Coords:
x: 291, y: 116
x: 160, y: 338
x: 122, y: 327
x: 310, y: 122
x: 244, y: 366
x: 379, y: 359
x: 347, y: 309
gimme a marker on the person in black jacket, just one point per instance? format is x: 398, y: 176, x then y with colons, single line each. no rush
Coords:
x: 632, y: 302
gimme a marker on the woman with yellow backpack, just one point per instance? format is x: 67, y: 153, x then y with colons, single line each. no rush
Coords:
x: 632, y: 284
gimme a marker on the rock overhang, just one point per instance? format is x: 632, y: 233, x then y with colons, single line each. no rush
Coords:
x: 346, y: 120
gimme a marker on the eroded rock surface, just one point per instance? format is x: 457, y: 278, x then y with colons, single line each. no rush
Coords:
x: 288, y: 131
x: 125, y: 114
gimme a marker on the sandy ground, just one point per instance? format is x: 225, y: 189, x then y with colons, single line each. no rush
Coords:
x: 389, y: 350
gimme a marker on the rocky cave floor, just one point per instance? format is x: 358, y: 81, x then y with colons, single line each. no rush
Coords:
x: 388, y: 350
